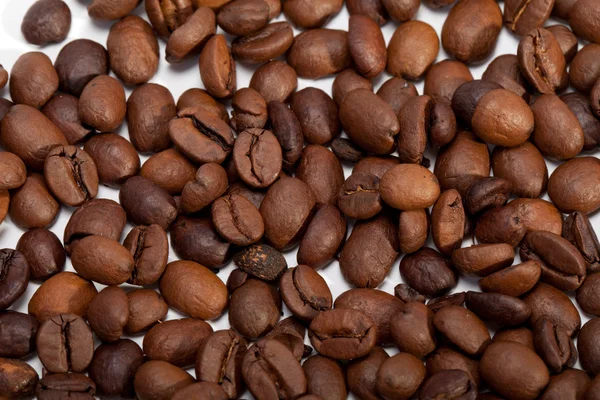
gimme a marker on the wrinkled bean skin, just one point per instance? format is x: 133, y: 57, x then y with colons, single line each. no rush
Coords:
x: 108, y: 10
x: 33, y: 80
x: 46, y: 22
x: 102, y: 104
x: 65, y: 385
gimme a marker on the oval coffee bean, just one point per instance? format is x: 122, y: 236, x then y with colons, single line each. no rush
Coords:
x: 443, y: 78
x: 409, y: 187
x: 78, y: 62
x: 568, y: 185
x: 582, y: 19
x: 266, y: 44
x: 569, y: 383
x: 237, y: 220
x: 483, y: 259
x: 102, y: 260
x: 553, y: 344
x: 195, y: 239
x: 402, y: 59
x: 487, y: 193
x: 159, y: 380
x: 587, y: 297
x: 217, y: 68
x: 210, y: 184
x: 114, y: 366
x: 46, y: 21
x: 578, y: 230
x: 581, y: 108
x: 325, y: 378
x: 343, y: 334
x: 396, y: 92
x: 366, y: 45
x: 361, y: 374
x: 587, y: 345
x: 108, y: 313
x: 311, y: 14
x: 345, y: 150
x: 413, y: 230
x: 505, y: 71
x: 305, y: 292
x: 18, y: 379
x: 249, y: 110
x: 33, y: 80
x: 149, y: 247
x: 324, y: 237
x: 102, y: 104
x: 412, y: 329
x: 498, y: 308
x: 255, y: 308
x: 146, y: 309
x: 275, y: 81
x: 32, y: 205
x: 17, y: 334
x: 456, y: 299
x: 328, y: 45
x: 189, y: 38
x: 462, y: 328
x: 317, y: 114
x: 400, y: 376
x: 448, y: 222
x: 448, y: 383
x: 522, y: 17
x: 287, y: 129
x: 146, y: 203
x: 548, y: 301
x: 428, y: 272
x: 514, y: 280
x: 261, y: 261
x: 14, y: 276
x: 322, y: 171
x: 115, y: 157
x: 13, y: 171
x: 524, y: 167
x: 242, y: 17
x: 65, y: 385
x: 415, y: 120
x: 107, y: 10
x: 257, y: 157
x: 166, y: 17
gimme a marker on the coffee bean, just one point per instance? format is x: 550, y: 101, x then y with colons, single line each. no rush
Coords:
x: 63, y: 111
x: 415, y: 120
x: 514, y: 280
x: 255, y: 308
x: 412, y: 329
x: 347, y: 151
x: 270, y: 370
x: 343, y: 334
x: 287, y: 129
x: 189, y: 38
x: 12, y: 170
x: 146, y: 309
x: 445, y: 358
x: 400, y: 376
x: 46, y: 21
x: 78, y: 63
x: 396, y: 92
x: 592, y: 390
x: 17, y: 378
x: 146, y: 203
x: 581, y: 108
x: 322, y: 171
x: 199, y: 97
x: 201, y: 390
x: 325, y: 378
x: 160, y: 380
x: 522, y: 17
x: 14, y: 276
x: 443, y: 78
x: 108, y: 313
x: 261, y: 261
x: 370, y: 251
x: 107, y: 10
x: 371, y: 8
x: 547, y: 301
x: 291, y: 333
x: 210, y: 184
x: 400, y: 10
x: 361, y: 374
x: 328, y: 46
x: 588, y: 347
x: 263, y: 45
x: 258, y: 157
x: 323, y: 238
x: 582, y: 19
x: 448, y: 222
x: 4, y: 204
x: 465, y: 27
x: 448, y: 383
x: 409, y: 187
x: 595, y: 98
x: 408, y: 294
x: 586, y: 295
x: 317, y: 114
x: 237, y: 220
x: 33, y: 80
x: 505, y: 71
x: 197, y: 240
x: 133, y: 50
x: 408, y: 37
x: 170, y: 170
x: 149, y: 247
x: 463, y: 328
x: 115, y: 157
x: 566, y: 39
x: 249, y: 110
x: 487, y: 193
x: 377, y: 166
x: 483, y: 259
x: 311, y: 14
x: 500, y: 309
x: 428, y: 272
x: 275, y: 81
x: 523, y: 336
x: 569, y: 383
x: 442, y: 125
x: 17, y: 334
x: 3, y: 78
x: 437, y: 303
x: 243, y: 17
x: 114, y: 365
x: 71, y: 175
x: 32, y: 205
x: 413, y: 230
x: 167, y: 16
x: 562, y: 8
x: 44, y: 253
x: 366, y: 45
x: 65, y: 385
x: 524, y: 167
x: 65, y: 344
x: 102, y: 104
x: 65, y: 292
x: 217, y: 67
x: 554, y: 345
x: 567, y: 184
x: 547, y: 74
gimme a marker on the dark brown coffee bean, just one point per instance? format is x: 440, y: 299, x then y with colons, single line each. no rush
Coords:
x: 547, y: 301
x: 581, y: 108
x: 27, y: 133
x: 237, y: 220
x: 167, y: 16
x: 65, y: 344
x: 347, y: 151
x: 371, y: 249
x: 593, y: 389
x: 160, y: 380
x: 412, y: 329
x: 317, y: 114
x: 14, y: 276
x: 409, y: 187
x: 322, y: 171
x: 566, y: 39
x: 521, y: 17
x: 32, y: 205
x: 361, y: 374
x: 377, y: 166
x: 17, y: 334
x: 402, y: 59
x: 396, y: 92
x: 249, y: 110
x: 442, y: 125
x: 287, y: 129
x: 513, y: 370
x: 408, y: 294
x: 359, y: 196
x: 475, y: 43
x: 199, y: 97
x: 44, y: 253
x: 554, y: 345
x: 595, y: 98
x: 505, y: 71
x: 108, y: 313
x: 266, y: 44
x: 311, y: 14
x: 450, y: 383
x: 258, y: 157
x: 483, y: 259
x: 217, y: 68
x: 323, y: 238
x: 33, y: 80
x: 220, y: 361
x: 369, y: 121
x: 291, y: 333
x: 448, y: 222
x: 373, y: 9
x: 255, y: 308
x: 200, y: 391
x: 587, y: 344
x: 444, y: 78
x: 366, y: 45
x: 66, y: 292
x: 500, y: 309
x: 13, y: 171
x: 115, y: 157
x: 17, y: 379
x: 254, y: 195
x: 328, y: 45
x: 146, y: 309
x: 46, y: 21
x: 524, y: 167
x: 189, y: 38
x: 114, y: 365
x: 400, y: 376
x: 3, y: 79
x: 71, y: 175
x: 456, y: 299
x: 428, y: 272
x: 587, y: 295
x: 585, y: 68
x: 210, y: 184
x: 548, y: 74
x: 415, y: 118
x: 514, y: 280
x: 519, y: 335
x: 487, y: 193
x: 413, y: 230
x: 133, y: 50
x: 325, y: 378
x: 197, y: 240
x: 261, y: 261
x: 567, y: 184
x: 78, y: 63
x: 582, y: 19
x: 562, y: 264
x: 65, y: 385
x: 275, y: 81
x: 571, y: 383
x: 149, y: 247
x: 170, y: 170
x: 146, y: 203
x: 463, y: 328
x: 63, y: 111
x: 305, y: 292
x: 343, y: 334
x: 102, y: 104
x: 445, y: 358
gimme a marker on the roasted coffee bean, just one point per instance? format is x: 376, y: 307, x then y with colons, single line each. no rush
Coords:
x: 199, y: 97
x: 311, y: 14
x: 376, y: 304
x: 146, y: 309
x: 149, y: 247
x: 400, y: 10
x: 448, y: 222
x: 444, y: 78
x: 581, y: 108
x: 500, y: 309
x: 27, y: 133
x: 56, y: 386
x: 243, y: 17
x: 214, y: 5
x: 65, y: 292
x: 402, y: 61
x: 408, y: 294
x: 71, y: 175
x: 358, y: 111
x: 483, y: 259
x: 450, y: 383
x: 445, y: 358
x: 413, y: 230
x: 568, y: 185
x: 217, y: 68
x: 63, y: 111
x: 78, y: 63
x: 114, y: 365
x: 595, y: 98
x: 522, y: 17
x: 275, y: 81
x: 396, y: 92
x: 456, y: 299
x: 261, y: 261
x: 159, y: 380
x: 359, y: 196
x: 200, y: 391
x: 32, y: 205
x: 343, y: 334
x: 96, y: 217
x: 13, y: 171
x: 442, y: 125
x: 593, y: 389
x: 249, y: 110
x: 524, y: 167
x: 146, y: 203
x: 582, y: 19
x: 587, y: 344
x: 17, y: 334
x: 323, y: 238
x: 108, y: 313
x: 317, y: 114
x: 4, y: 204
x: 412, y: 329
x: 514, y: 280
x: 347, y: 81
x: 562, y: 264
x: 197, y: 240
x: 566, y: 39
x: 322, y: 171
x: 266, y: 44
x: 370, y: 251
x: 254, y: 195
x: 487, y: 193
x: 415, y: 119
x: 366, y: 45
x: 65, y: 343
x: 305, y: 292
x: 115, y: 157
x: 46, y: 21
x: 475, y: 43
x: 220, y: 359
x: 347, y: 151
x: 571, y: 383
x: 454, y: 170
x: 170, y: 170
x: 33, y: 80
x: 409, y: 187
x: 237, y: 220
x: 328, y: 45
x: 400, y: 376
x: 3, y: 78
x: 168, y: 15
x: 554, y: 345
x: 562, y: 8
x: 133, y: 50
x: 102, y: 104
x: 513, y: 370
x: 17, y: 379
x: 102, y: 260
x: 585, y: 68
x: 519, y: 335
x: 325, y: 378
x: 189, y: 38
x: 210, y: 184
x: 463, y: 328
x: 377, y: 166
x: 505, y: 71
x: 361, y: 374
x: 428, y: 272
x: 547, y: 301
x: 547, y: 73
x: 44, y: 253
x: 287, y: 129
x: 108, y: 10
x: 258, y: 157
x: 372, y: 8
x: 14, y: 276
x: 477, y: 104
x: 291, y: 333
x: 255, y: 308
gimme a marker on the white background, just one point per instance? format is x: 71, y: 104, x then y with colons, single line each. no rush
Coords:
x: 181, y: 77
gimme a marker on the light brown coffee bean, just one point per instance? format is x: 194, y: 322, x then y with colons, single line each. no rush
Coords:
x: 33, y: 80
x: 448, y: 222
x: 410, y: 36
x: 515, y: 280
x: 328, y: 45
x: 569, y: 184
x: 217, y: 68
x: 409, y: 187
x: 366, y: 45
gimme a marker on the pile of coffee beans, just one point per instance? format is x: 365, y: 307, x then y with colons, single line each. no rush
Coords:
x: 244, y: 175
